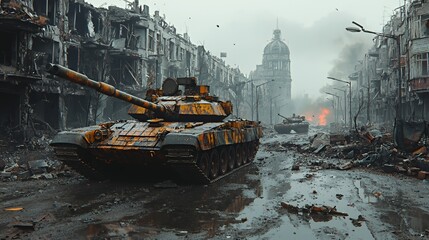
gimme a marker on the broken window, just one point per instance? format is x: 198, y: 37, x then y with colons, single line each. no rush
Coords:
x: 165, y: 46
x: 45, y: 110
x: 422, y: 64
x: 48, y: 8
x: 158, y: 43
x: 141, y: 33
x: 9, y: 103
x: 124, y: 72
x: 171, y: 48
x: 188, y: 60
x: 48, y: 50
x: 425, y: 25
x: 84, y: 21
x: 8, y: 48
x: 77, y: 110
x: 181, y: 53
x: 56, y: 52
x: 73, y: 58
x: 151, y: 40
x: 123, y: 31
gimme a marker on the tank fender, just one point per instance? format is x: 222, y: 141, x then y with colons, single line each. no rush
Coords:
x: 75, y: 138
x: 180, y: 139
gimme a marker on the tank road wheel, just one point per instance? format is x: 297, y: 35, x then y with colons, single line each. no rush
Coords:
x: 214, y: 164
x: 245, y: 149
x: 254, y: 149
x: 203, y: 162
x: 224, y: 160
x: 238, y: 155
x: 231, y: 157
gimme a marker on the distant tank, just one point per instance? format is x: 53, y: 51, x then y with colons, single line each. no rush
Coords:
x: 180, y: 133
x: 296, y: 123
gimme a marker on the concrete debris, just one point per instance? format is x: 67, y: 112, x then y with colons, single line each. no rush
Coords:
x: 317, y: 213
x: 295, y: 167
x: 26, y: 164
x: 358, y: 221
x: 38, y: 166
x: 23, y: 225
x: 423, y: 175
x: 365, y: 148
x: 346, y: 166
x: 181, y: 233
x: 320, y: 140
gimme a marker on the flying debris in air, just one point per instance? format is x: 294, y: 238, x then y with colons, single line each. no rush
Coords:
x: 336, y: 9
x: 217, y: 25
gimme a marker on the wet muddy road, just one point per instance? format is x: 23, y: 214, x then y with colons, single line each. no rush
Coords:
x: 246, y: 205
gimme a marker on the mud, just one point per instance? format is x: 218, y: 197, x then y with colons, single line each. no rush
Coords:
x: 244, y: 205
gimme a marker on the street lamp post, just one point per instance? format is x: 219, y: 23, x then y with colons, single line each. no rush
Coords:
x: 257, y: 98
x: 350, y: 97
x: 345, y: 104
x: 271, y: 108
x: 335, y: 108
x: 397, y: 38
x: 251, y: 96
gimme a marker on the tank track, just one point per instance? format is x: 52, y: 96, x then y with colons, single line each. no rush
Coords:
x: 73, y: 156
x: 190, y: 172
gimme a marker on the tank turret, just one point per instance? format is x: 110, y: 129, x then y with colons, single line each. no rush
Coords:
x: 179, y: 99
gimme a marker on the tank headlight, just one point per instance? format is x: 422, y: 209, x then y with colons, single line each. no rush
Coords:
x: 98, y: 135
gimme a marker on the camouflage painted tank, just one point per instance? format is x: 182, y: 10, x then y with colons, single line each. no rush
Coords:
x: 183, y: 136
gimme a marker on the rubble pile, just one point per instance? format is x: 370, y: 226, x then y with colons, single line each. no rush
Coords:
x: 363, y: 148
x: 33, y: 160
x: 16, y: 9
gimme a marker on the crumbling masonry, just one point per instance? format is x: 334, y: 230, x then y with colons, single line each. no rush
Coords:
x: 127, y: 48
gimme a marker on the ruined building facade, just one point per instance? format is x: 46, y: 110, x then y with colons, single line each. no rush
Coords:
x: 127, y: 48
x: 381, y: 69
x: 275, y: 69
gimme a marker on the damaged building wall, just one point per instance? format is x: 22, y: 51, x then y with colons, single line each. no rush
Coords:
x: 127, y: 48
x: 411, y: 23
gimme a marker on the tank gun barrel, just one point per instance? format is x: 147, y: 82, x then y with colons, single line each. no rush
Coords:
x: 281, y: 116
x: 102, y: 87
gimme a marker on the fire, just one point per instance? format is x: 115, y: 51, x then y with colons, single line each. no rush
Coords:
x: 322, y: 116
x: 309, y: 117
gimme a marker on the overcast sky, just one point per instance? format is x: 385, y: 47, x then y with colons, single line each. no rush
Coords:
x: 313, y: 30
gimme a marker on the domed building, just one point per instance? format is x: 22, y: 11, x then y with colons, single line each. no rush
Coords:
x: 275, y: 66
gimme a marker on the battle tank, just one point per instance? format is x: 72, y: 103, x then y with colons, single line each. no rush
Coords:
x: 295, y: 123
x: 183, y: 136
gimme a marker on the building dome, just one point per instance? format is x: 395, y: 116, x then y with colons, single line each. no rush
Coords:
x: 276, y: 46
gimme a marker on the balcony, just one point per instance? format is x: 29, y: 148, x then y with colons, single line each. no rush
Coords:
x: 420, y: 84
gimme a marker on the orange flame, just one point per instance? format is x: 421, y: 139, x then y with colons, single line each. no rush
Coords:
x: 309, y: 117
x: 322, y: 117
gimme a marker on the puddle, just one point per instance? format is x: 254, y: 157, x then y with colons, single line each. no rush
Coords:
x: 395, y: 210
x: 209, y: 208
x: 412, y: 220
x: 364, y: 196
x: 303, y: 188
